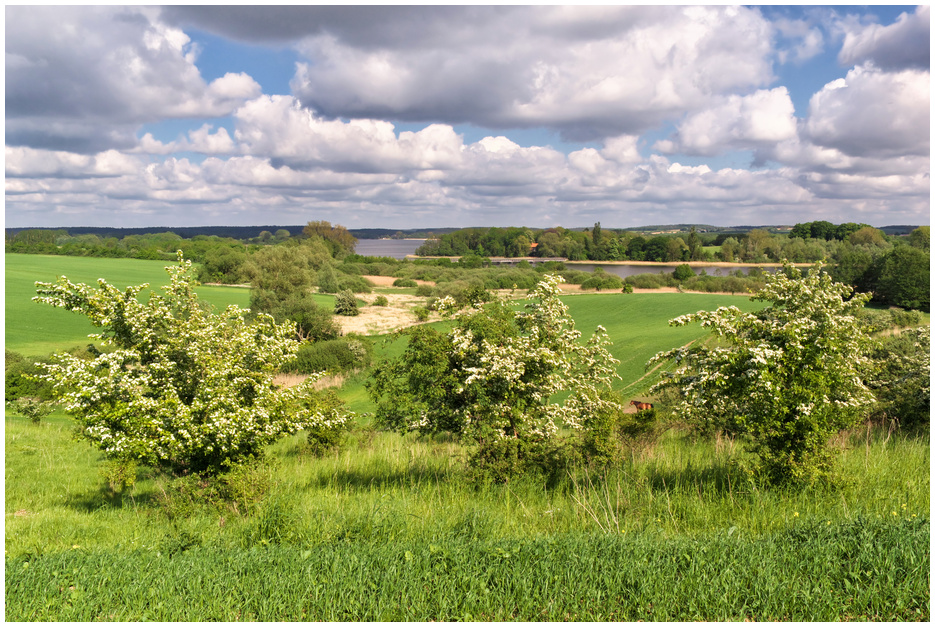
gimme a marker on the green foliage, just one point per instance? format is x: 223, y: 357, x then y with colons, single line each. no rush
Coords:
x: 899, y: 374
x: 337, y: 237
x: 345, y: 304
x: 421, y: 313
x: 312, y: 323
x: 33, y: 408
x: 787, y: 376
x: 328, y: 280
x: 184, y: 387
x: 404, y: 283
x: 334, y: 356
x: 120, y: 474
x: 683, y: 272
x: 601, y: 280
x: 380, y: 301
x: 904, y: 278
x: 493, y: 376
x: 20, y: 378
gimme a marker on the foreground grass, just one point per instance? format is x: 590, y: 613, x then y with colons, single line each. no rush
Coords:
x: 852, y: 570
x: 388, y: 529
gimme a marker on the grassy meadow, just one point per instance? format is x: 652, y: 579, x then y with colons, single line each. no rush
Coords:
x: 388, y: 528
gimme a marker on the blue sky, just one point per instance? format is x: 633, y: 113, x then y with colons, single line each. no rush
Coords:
x: 422, y: 116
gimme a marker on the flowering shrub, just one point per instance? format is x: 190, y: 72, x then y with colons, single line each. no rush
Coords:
x: 788, y: 376
x: 33, y: 408
x: 184, y: 387
x: 495, y: 374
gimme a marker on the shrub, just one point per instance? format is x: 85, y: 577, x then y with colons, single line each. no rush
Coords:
x: 184, y: 388
x: 356, y: 284
x: 899, y: 375
x: 788, y: 376
x: 345, y: 303
x: 404, y: 283
x: 496, y: 374
x: 683, y: 272
x: 33, y: 408
x: 312, y: 322
x: 424, y: 291
x: 380, y: 301
x: 339, y: 355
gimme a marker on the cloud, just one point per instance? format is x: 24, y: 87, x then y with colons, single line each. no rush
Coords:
x: 23, y: 162
x: 737, y: 122
x: 905, y: 44
x: 872, y: 113
x: 534, y: 67
x: 84, y: 78
x: 278, y: 127
x: 806, y: 40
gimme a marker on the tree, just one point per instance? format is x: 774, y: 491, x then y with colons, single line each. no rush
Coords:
x: 903, y: 278
x: 495, y: 373
x: 338, y: 238
x: 788, y: 378
x: 184, y: 388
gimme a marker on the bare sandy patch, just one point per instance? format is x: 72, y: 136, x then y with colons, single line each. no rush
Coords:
x: 387, y: 281
x: 291, y: 380
x: 397, y: 314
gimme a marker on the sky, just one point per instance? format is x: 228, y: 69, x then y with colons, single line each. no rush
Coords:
x: 427, y: 116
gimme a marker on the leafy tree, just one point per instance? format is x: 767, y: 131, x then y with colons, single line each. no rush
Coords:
x: 904, y: 278
x: 919, y: 238
x: 328, y: 280
x: 495, y: 374
x: 788, y: 376
x: 184, y: 387
x: 337, y: 237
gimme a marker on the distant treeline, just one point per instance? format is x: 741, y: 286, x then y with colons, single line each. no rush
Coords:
x: 894, y: 268
x: 234, y: 232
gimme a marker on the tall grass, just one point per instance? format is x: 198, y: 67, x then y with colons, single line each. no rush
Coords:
x: 388, y: 529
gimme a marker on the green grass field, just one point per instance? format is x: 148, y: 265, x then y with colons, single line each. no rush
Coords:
x: 38, y: 329
x: 389, y: 528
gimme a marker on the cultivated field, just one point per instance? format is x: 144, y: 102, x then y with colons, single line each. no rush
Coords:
x: 389, y: 528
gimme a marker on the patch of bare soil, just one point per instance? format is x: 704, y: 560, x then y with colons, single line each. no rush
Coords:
x: 397, y: 314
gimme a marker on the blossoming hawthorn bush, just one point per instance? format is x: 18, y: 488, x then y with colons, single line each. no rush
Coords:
x: 184, y: 387
x: 788, y: 376
x: 495, y: 373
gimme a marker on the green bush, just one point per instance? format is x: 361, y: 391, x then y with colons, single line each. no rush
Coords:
x: 356, y: 284
x: 602, y: 281
x: 313, y: 323
x: 345, y: 303
x: 33, y: 408
x: 380, y: 301
x: 421, y: 313
x: 424, y: 291
x: 404, y: 283
x: 683, y: 272
x: 335, y: 356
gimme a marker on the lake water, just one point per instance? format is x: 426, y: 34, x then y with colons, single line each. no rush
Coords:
x: 399, y: 248
x: 395, y: 248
